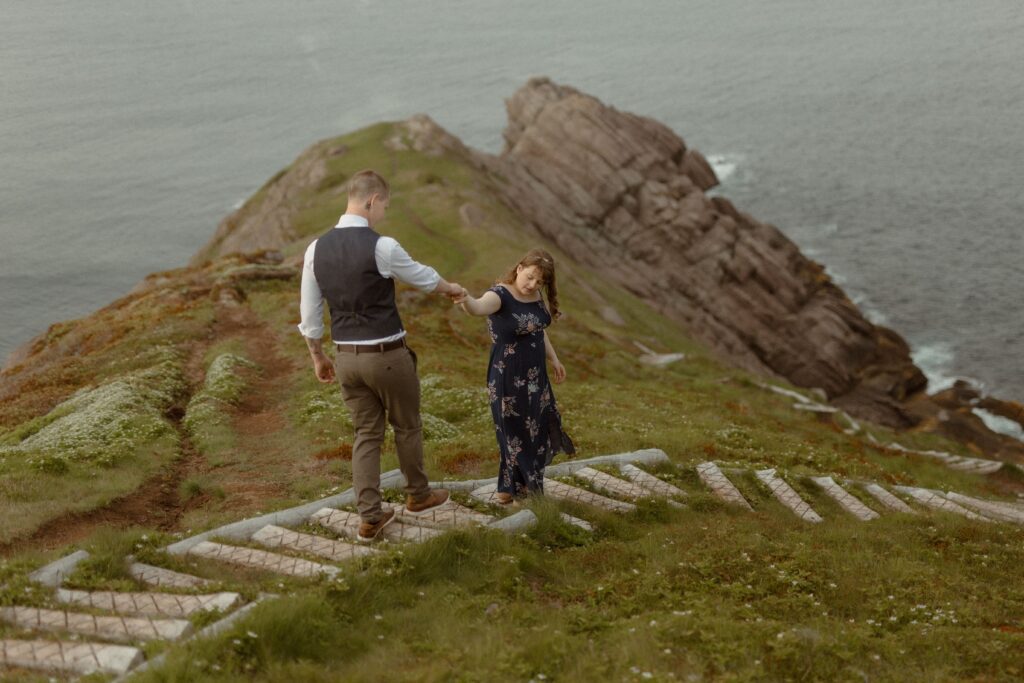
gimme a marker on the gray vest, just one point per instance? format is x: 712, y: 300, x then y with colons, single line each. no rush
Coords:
x: 361, y: 301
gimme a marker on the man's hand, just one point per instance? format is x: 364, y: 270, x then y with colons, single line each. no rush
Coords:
x: 455, y: 291
x: 461, y: 297
x: 323, y: 367
x: 559, y: 371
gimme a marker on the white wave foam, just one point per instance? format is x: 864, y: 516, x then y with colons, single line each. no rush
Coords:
x: 724, y: 165
x: 238, y: 204
x: 1000, y: 424
x: 936, y: 361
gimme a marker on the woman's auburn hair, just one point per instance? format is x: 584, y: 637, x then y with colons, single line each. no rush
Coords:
x: 545, y: 263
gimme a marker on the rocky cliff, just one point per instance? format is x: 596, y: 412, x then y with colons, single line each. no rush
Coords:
x: 624, y: 194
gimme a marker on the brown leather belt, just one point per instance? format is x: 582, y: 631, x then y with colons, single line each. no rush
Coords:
x: 371, y: 348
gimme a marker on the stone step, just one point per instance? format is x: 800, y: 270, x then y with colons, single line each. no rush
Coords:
x: 338, y: 551
x: 613, y: 485
x: 152, y: 604
x: 165, y: 578
x: 785, y: 494
x: 991, y: 508
x: 576, y: 521
x: 937, y: 501
x: 563, y: 491
x: 347, y: 524
x: 816, y: 408
x: 720, y: 485
x: 251, y: 558
x: 122, y: 629
x: 650, y: 482
x: 976, y: 465
x: 488, y: 493
x: 887, y: 499
x: 447, y: 515
x: 75, y: 658
x: 847, y: 501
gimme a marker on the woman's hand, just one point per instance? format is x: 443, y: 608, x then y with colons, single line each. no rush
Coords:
x: 559, y: 371
x: 461, y: 297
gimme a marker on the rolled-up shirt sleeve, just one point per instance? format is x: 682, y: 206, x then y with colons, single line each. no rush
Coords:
x: 311, y: 299
x: 394, y: 261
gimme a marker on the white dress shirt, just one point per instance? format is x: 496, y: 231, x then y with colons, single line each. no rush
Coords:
x: 392, y: 262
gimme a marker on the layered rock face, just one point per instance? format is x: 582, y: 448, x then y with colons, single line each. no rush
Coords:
x: 624, y: 194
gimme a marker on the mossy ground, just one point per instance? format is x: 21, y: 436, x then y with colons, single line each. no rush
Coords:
x: 702, y: 593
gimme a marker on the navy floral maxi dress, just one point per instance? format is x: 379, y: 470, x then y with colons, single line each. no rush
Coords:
x: 526, y: 419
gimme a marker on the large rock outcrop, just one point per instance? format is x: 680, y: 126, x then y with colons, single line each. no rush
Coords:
x: 624, y: 194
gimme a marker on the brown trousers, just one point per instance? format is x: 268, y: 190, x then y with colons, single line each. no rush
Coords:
x: 376, y: 386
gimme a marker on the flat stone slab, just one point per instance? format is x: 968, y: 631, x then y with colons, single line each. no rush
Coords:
x: 785, y: 494
x: 846, y: 501
x: 488, y: 493
x: 715, y: 479
x: 962, y: 463
x: 165, y: 578
x: 153, y: 604
x: 251, y: 558
x: 887, y: 499
x: 816, y: 408
x: 650, y: 482
x: 993, y: 508
x: 576, y: 521
x: 563, y: 491
x: 447, y: 515
x: 78, y: 658
x: 327, y: 548
x: 937, y: 501
x: 613, y: 485
x: 976, y: 465
x: 123, y: 629
x: 347, y: 524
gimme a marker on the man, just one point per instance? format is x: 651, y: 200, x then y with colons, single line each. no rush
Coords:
x: 354, y: 269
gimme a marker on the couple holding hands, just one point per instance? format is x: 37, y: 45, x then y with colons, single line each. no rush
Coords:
x: 353, y: 269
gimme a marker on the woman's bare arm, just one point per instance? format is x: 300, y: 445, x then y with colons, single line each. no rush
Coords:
x: 556, y: 365
x: 488, y: 303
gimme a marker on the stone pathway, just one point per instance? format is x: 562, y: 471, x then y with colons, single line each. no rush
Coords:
x: 654, y: 485
x: 613, y: 485
x: 937, y: 501
x: 720, y: 485
x: 165, y: 578
x: 136, y: 617
x: 887, y: 499
x: 847, y: 501
x: 787, y: 496
x: 122, y: 629
x: 251, y: 558
x: 347, y: 524
x: 152, y: 604
x: 448, y: 515
x: 337, y: 551
x: 563, y: 491
x: 1005, y: 513
x: 75, y: 658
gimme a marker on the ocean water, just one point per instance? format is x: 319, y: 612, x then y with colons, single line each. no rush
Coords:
x: 884, y: 138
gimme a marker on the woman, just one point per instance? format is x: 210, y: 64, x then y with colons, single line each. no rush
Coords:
x: 528, y: 424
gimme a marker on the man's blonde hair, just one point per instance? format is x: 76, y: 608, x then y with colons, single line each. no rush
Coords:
x: 365, y: 184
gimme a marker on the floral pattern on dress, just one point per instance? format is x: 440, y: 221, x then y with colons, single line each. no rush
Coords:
x: 522, y: 403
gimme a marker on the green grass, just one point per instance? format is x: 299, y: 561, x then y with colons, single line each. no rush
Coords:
x: 708, y: 592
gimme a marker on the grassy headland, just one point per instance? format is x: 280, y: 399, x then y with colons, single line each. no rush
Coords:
x: 192, y: 402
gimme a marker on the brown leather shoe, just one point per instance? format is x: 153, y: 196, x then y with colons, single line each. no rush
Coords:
x: 433, y: 499
x: 370, y: 531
